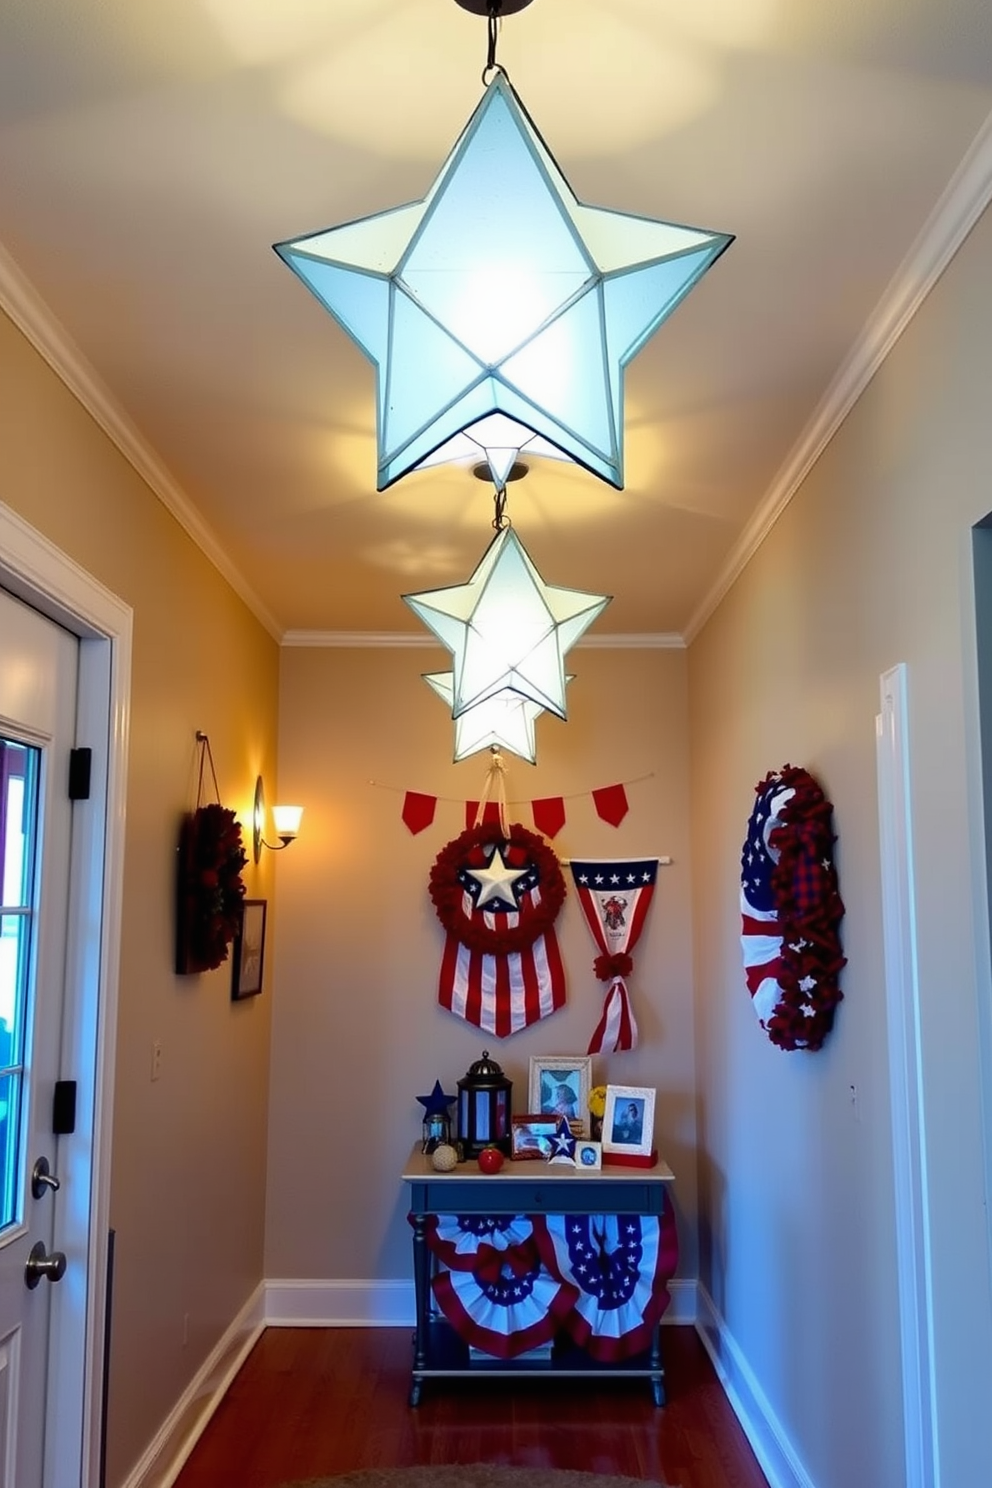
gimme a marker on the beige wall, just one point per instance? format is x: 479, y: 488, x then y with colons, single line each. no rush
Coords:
x: 357, y: 1031
x: 188, y: 1150
x: 869, y: 566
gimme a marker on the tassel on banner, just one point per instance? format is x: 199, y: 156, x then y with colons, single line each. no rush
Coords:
x: 418, y: 811
x: 549, y: 815
x: 611, y: 804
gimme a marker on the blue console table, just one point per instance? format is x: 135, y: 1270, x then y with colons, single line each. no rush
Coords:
x: 521, y: 1188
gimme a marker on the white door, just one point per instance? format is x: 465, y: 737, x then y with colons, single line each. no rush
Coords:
x: 38, y: 692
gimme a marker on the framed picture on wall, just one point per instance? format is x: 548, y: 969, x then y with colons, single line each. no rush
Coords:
x: 559, y: 1086
x: 248, y: 951
x: 628, y: 1121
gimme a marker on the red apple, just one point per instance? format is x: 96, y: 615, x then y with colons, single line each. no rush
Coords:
x: 490, y: 1159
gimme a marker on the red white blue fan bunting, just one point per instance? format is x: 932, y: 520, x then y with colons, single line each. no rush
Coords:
x: 620, y: 1265
x: 482, y: 1243
x: 506, y: 1315
x: 791, y: 910
x: 615, y: 896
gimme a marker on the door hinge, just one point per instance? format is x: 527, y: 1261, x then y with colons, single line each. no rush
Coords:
x: 64, y: 1108
x: 80, y: 764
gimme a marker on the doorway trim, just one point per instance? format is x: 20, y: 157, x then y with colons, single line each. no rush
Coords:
x: 914, y: 1264
x: 34, y: 570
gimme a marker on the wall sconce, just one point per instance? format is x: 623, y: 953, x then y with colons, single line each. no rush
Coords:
x: 286, y: 819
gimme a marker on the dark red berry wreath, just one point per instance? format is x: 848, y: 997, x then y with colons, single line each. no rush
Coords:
x: 791, y: 910
x: 210, y: 890
x: 472, y: 849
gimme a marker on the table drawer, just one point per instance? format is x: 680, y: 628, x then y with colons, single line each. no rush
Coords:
x: 534, y: 1196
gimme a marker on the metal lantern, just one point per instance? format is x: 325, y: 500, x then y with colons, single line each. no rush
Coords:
x: 484, y: 1107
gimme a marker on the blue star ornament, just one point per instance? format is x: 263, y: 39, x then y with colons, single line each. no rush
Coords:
x: 500, y: 292
x: 507, y: 630
x: 437, y: 1103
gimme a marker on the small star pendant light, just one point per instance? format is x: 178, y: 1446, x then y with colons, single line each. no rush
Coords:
x: 508, y: 632
x: 501, y: 293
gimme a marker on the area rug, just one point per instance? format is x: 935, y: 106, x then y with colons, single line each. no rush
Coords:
x: 473, y: 1475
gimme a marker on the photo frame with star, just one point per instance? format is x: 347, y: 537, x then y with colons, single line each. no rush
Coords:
x: 559, y: 1085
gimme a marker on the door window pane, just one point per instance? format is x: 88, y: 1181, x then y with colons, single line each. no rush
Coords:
x: 18, y: 824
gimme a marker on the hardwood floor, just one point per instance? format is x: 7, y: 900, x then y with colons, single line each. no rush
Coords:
x: 312, y: 1401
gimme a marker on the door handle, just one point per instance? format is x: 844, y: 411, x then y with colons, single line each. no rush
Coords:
x: 42, y: 1178
x: 40, y: 1263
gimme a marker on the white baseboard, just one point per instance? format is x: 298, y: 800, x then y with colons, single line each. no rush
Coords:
x: 762, y: 1427
x: 388, y: 1304
x: 339, y: 1304
x: 160, y: 1463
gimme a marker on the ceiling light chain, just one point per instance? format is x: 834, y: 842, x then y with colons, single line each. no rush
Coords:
x: 500, y: 519
x: 492, y: 26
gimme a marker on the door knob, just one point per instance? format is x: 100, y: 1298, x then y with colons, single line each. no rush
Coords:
x: 42, y: 1178
x: 40, y: 1263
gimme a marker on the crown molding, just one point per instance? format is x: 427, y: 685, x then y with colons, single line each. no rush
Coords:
x: 35, y: 320
x: 405, y: 640
x: 963, y: 201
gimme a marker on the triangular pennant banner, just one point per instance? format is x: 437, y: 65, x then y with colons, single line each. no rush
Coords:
x: 615, y: 897
x: 418, y: 810
x: 611, y: 804
x: 549, y: 815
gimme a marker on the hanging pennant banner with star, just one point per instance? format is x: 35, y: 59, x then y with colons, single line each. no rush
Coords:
x: 615, y: 896
x: 498, y: 897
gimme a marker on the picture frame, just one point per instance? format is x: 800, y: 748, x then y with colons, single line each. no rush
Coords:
x: 588, y: 1155
x: 628, y: 1120
x: 559, y: 1085
x: 531, y: 1136
x: 248, y: 951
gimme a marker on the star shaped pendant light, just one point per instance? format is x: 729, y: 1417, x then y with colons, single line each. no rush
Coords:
x: 501, y: 293
x: 505, y: 721
x: 507, y: 630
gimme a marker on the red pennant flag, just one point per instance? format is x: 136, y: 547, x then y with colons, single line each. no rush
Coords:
x: 491, y: 813
x: 549, y: 815
x: 418, y: 810
x: 611, y: 804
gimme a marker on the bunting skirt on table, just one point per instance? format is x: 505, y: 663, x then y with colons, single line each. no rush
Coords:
x: 619, y: 1266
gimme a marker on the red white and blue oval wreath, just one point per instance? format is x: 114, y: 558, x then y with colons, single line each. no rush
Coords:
x: 791, y: 910
x: 619, y: 1265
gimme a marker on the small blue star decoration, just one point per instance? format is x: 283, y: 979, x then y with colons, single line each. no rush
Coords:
x: 437, y: 1103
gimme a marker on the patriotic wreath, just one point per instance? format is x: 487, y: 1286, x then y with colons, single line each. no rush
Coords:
x: 791, y: 910
x: 469, y: 850
x: 211, y: 891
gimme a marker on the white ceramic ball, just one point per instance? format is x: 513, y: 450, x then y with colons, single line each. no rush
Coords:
x: 443, y: 1158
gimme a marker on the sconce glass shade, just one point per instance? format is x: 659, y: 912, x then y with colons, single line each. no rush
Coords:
x: 287, y: 821
x: 501, y: 293
x: 507, y: 630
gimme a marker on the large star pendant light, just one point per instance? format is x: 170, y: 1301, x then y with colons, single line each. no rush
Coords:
x: 507, y: 630
x: 500, y: 292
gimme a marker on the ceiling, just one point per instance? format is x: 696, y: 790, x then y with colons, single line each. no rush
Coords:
x: 152, y: 151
